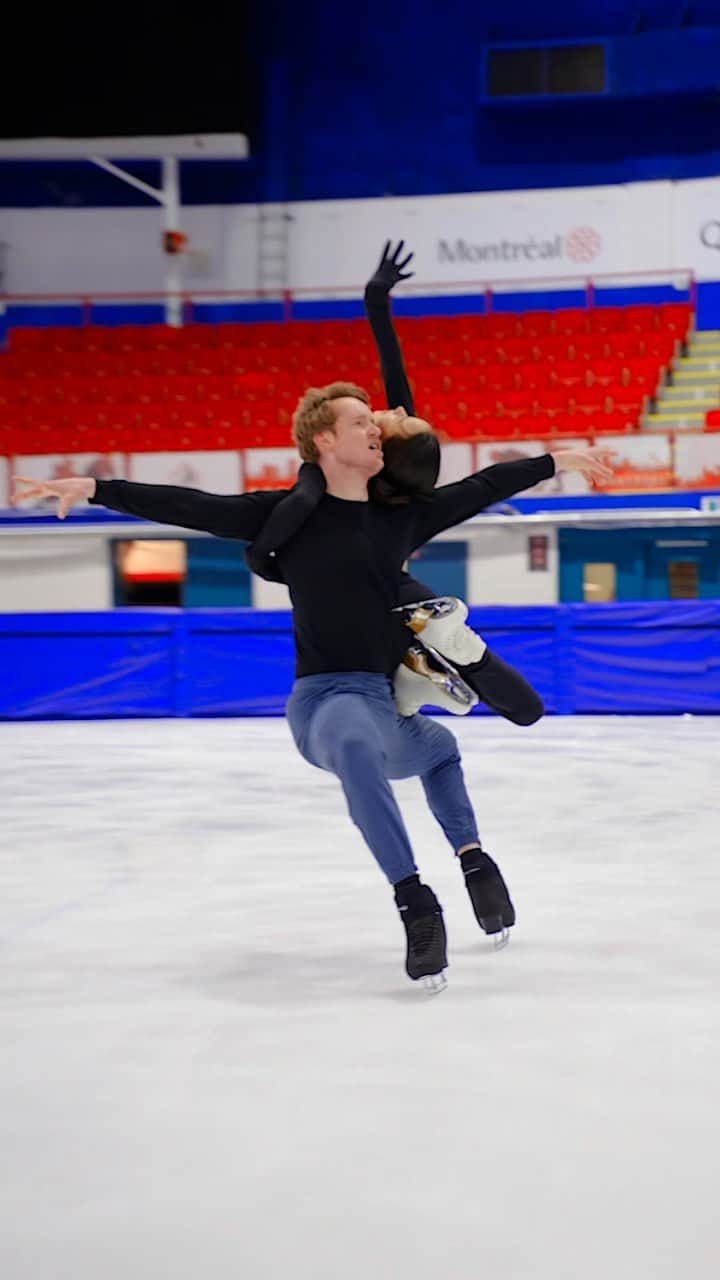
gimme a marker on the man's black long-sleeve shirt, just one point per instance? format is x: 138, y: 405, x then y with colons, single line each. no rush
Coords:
x: 343, y: 566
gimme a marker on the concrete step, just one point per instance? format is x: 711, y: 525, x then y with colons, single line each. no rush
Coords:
x: 687, y: 394
x: 699, y: 364
x: 674, y: 421
x: 695, y: 377
x: 705, y: 335
x: 682, y: 407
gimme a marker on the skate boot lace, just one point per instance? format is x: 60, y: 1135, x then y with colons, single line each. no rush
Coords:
x: 422, y: 933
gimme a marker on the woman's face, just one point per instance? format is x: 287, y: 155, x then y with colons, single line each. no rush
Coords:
x: 396, y: 422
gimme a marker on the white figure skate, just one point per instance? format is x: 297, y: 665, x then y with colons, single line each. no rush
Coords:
x: 427, y: 675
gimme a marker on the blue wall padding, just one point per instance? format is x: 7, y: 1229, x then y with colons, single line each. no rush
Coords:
x: 647, y: 658
x: 708, y: 312
x: 540, y: 300
x: 615, y: 658
x: 88, y: 665
x: 119, y: 313
x: 46, y: 314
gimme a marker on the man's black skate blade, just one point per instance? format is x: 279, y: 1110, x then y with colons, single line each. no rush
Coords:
x: 432, y: 978
x: 496, y: 923
x: 433, y: 983
x: 429, y: 972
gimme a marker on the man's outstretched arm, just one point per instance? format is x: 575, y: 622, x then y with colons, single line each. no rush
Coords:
x: 452, y: 503
x: 234, y: 516
x: 390, y: 270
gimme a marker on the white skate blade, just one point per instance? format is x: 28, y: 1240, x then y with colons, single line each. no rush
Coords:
x: 501, y: 940
x: 413, y: 691
x: 434, y: 983
x: 426, y: 678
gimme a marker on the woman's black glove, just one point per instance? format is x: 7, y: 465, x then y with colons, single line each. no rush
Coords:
x: 389, y: 272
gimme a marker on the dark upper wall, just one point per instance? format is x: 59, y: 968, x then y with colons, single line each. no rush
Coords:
x: 391, y: 104
x: 384, y: 98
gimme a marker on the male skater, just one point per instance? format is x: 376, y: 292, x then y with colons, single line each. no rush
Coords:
x: 343, y: 569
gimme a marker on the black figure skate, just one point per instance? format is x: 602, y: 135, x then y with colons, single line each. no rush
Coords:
x: 421, y: 914
x: 489, y: 896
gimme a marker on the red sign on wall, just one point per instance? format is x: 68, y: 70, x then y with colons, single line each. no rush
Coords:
x: 538, y: 552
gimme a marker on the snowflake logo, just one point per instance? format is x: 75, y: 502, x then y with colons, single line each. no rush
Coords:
x: 583, y: 244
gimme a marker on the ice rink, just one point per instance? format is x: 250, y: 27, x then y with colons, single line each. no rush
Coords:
x: 211, y: 1061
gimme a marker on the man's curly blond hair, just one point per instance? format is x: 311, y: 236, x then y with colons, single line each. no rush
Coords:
x: 316, y: 413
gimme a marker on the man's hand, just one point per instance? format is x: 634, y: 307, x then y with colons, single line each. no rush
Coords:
x: 594, y: 464
x: 71, y: 491
x: 390, y: 271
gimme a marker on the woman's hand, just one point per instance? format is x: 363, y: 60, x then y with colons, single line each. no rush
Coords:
x: 390, y: 271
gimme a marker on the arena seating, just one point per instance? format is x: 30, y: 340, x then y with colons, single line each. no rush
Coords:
x: 498, y: 376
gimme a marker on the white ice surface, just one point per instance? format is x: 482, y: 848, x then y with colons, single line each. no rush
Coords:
x: 212, y: 1064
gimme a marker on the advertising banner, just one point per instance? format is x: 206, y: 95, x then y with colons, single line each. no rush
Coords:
x: 270, y: 468
x: 697, y: 461
x: 696, y: 227
x: 456, y: 462
x: 565, y: 482
x: 642, y: 461
x: 474, y: 239
x: 496, y: 236
x: 214, y: 471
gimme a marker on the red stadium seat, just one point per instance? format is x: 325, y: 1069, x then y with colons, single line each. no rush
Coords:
x: 498, y: 428
x: 515, y: 403
x: 531, y: 427
x: 28, y: 340
x: 563, y: 371
x: 571, y: 322
x: 676, y: 318
x: 567, y: 373
x: 537, y: 324
x: 570, y: 425
x: 613, y: 424
x: 606, y: 320
x: 642, y: 319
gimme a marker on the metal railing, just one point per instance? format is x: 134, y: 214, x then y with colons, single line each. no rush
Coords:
x: 682, y: 279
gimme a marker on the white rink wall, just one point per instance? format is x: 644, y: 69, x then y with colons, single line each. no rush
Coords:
x: 495, y: 236
x: 71, y: 572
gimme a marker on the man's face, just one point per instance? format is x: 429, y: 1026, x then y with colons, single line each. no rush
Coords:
x: 356, y: 440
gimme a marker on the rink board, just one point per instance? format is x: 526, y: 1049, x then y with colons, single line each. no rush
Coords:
x: 653, y: 658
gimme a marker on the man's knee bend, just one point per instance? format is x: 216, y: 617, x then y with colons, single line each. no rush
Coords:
x: 446, y: 747
x: 450, y: 762
x: 355, y: 752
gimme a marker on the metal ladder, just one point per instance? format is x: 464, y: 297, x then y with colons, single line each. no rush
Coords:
x: 273, y: 249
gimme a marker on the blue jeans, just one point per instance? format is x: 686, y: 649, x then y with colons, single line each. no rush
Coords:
x: 346, y: 722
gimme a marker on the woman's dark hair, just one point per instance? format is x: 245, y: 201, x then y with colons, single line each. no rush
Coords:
x: 410, y: 470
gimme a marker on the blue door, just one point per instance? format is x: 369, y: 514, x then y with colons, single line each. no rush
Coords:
x: 682, y: 566
x: 217, y: 575
x: 601, y: 565
x: 639, y: 564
